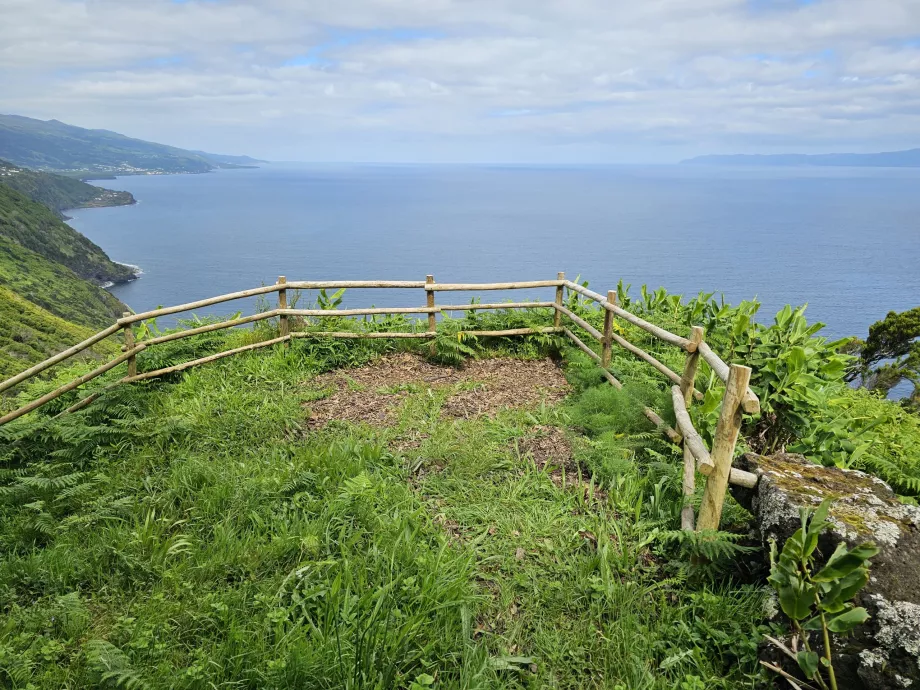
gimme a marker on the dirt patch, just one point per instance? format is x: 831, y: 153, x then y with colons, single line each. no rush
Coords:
x: 551, y: 448
x: 371, y: 394
x: 548, y: 445
x: 507, y: 383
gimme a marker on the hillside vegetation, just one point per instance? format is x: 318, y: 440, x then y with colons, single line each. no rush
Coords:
x: 55, y: 287
x: 320, y: 517
x: 54, y: 145
x: 29, y: 334
x: 36, y: 228
x: 58, y: 192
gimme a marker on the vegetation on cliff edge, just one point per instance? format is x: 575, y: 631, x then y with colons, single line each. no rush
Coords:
x: 58, y: 192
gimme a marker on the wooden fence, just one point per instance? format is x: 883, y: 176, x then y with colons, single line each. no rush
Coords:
x: 714, y: 463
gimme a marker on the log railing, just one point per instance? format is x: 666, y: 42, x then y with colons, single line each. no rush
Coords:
x: 715, y: 464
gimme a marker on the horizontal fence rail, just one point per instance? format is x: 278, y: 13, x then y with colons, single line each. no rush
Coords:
x: 715, y: 464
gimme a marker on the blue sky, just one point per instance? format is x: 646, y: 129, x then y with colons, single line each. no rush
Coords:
x: 528, y: 81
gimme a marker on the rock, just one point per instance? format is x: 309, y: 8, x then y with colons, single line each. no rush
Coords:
x: 884, y: 652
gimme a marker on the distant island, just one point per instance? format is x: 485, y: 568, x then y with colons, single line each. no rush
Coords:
x: 53, y: 146
x: 891, y: 159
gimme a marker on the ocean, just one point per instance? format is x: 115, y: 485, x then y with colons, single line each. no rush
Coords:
x: 844, y: 240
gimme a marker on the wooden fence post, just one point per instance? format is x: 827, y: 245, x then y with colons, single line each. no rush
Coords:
x: 608, y: 330
x: 129, y: 345
x: 723, y: 447
x: 432, y: 321
x: 283, y: 325
x: 557, y: 315
x: 687, y: 381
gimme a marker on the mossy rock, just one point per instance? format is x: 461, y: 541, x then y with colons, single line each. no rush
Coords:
x: 885, y: 652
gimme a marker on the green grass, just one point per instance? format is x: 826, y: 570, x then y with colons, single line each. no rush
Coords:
x: 55, y: 288
x: 30, y: 334
x: 193, y: 533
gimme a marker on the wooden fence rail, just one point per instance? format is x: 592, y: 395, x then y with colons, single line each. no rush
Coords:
x: 715, y: 464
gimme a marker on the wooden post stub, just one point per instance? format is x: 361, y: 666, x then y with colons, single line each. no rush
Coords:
x: 723, y: 447
x: 129, y: 345
x: 687, y: 381
x: 283, y: 325
x: 557, y: 316
x: 432, y: 321
x: 689, y: 487
x: 691, y: 363
x: 608, y: 330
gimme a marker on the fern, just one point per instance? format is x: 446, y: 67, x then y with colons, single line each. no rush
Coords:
x: 72, y: 616
x: 708, y: 545
x: 112, y: 666
x: 452, y: 346
x: 899, y: 480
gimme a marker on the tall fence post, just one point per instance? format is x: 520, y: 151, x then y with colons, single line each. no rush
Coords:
x: 432, y: 321
x: 723, y: 447
x: 557, y: 315
x: 608, y: 330
x: 284, y: 327
x: 129, y: 345
x: 687, y: 381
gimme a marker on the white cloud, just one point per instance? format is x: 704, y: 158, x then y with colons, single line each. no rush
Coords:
x: 426, y: 79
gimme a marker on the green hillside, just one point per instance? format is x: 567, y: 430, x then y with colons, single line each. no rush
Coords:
x: 30, y: 334
x: 54, y: 145
x: 35, y: 227
x: 55, y: 287
x: 58, y: 192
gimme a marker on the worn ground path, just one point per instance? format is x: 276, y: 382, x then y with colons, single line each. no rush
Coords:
x: 571, y: 595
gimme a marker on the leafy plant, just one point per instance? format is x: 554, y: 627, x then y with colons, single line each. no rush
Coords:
x: 818, y: 599
x: 452, y: 346
x: 326, y: 301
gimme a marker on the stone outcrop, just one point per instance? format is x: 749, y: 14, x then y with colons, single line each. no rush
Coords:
x: 885, y: 652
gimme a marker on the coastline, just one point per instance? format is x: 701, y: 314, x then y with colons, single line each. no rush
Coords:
x: 137, y: 272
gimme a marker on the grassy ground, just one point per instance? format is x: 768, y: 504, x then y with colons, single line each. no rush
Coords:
x: 30, y: 334
x: 202, y: 533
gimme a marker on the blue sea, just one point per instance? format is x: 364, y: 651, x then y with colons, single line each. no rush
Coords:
x: 845, y: 241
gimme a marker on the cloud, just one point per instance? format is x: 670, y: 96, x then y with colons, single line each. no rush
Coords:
x: 555, y: 80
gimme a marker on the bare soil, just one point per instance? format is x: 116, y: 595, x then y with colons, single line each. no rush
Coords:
x: 372, y: 393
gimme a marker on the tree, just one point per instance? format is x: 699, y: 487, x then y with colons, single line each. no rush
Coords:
x: 891, y: 354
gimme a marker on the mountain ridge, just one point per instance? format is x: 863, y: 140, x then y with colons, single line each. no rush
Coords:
x: 55, y: 146
x: 908, y: 158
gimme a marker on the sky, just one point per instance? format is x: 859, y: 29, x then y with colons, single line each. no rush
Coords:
x: 494, y: 81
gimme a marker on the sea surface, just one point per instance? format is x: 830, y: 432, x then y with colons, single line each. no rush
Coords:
x: 845, y: 241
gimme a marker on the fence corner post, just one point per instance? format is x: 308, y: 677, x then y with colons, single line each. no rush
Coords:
x: 284, y: 328
x: 432, y: 320
x: 687, y: 381
x: 129, y: 345
x: 723, y: 447
x: 557, y: 315
x: 608, y: 330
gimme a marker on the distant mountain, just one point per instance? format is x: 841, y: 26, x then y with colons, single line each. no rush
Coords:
x: 58, y: 192
x: 231, y: 161
x: 893, y: 159
x: 55, y: 146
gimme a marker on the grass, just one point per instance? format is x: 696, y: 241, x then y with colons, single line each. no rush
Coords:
x: 193, y: 533
x: 31, y: 334
x: 55, y: 288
